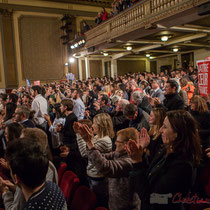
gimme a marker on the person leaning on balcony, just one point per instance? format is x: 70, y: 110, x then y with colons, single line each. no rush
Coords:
x: 98, y: 19
x: 104, y: 15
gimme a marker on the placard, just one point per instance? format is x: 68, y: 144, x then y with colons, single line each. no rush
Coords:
x: 204, y: 77
x: 37, y: 82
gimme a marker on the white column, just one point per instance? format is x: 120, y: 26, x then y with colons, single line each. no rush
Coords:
x: 113, y: 67
x: 80, y: 68
x: 87, y: 67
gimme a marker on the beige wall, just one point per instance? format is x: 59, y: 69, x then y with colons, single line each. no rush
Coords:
x: 2, y: 75
x: 165, y: 61
x: 96, y: 68
x: 40, y: 53
x: 201, y: 54
x: 125, y: 66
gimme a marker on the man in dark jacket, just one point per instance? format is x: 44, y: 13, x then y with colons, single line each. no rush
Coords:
x: 173, y: 100
x: 69, y: 136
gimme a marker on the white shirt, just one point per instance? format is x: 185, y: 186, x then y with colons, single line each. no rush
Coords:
x: 40, y: 106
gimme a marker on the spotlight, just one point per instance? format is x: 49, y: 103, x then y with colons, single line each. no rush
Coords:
x: 66, y: 64
x: 76, y: 45
x: 106, y: 54
x: 175, y: 49
x: 151, y: 57
x: 72, y: 47
x: 147, y: 55
x: 83, y: 41
x: 71, y: 60
x: 164, y: 38
x: 129, y: 48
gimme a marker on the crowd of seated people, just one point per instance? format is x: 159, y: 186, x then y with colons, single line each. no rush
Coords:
x: 138, y: 141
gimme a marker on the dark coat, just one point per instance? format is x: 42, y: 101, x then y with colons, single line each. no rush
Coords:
x: 119, y: 121
x: 141, y: 120
x: 164, y: 175
x: 145, y: 105
x: 28, y: 124
x: 173, y: 102
x: 69, y: 136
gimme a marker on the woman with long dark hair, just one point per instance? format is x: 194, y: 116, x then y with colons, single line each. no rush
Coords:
x: 170, y: 174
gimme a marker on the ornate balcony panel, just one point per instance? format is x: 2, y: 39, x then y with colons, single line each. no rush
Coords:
x: 136, y: 17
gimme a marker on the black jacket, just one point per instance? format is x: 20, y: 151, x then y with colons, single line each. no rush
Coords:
x: 169, y: 176
x: 69, y: 136
x: 119, y: 121
x: 173, y: 102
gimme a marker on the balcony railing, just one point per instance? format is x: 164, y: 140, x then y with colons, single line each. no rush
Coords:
x: 139, y: 15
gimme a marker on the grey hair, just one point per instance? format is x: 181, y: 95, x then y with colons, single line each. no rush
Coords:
x: 115, y: 99
x: 123, y: 103
x: 137, y: 96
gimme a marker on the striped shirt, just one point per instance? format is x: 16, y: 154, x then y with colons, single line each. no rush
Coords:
x: 104, y: 145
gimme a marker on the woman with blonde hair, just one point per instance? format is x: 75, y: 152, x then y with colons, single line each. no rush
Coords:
x: 102, y: 128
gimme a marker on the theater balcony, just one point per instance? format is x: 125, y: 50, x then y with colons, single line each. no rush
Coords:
x: 145, y: 18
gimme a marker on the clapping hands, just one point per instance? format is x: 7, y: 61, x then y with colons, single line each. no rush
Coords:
x: 85, y: 132
x: 135, y: 149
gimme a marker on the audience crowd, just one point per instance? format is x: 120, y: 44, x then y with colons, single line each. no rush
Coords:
x: 138, y: 141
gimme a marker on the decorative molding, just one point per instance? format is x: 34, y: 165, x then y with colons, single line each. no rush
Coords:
x: 136, y: 17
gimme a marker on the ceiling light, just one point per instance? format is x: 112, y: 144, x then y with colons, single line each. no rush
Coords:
x: 71, y: 60
x: 66, y: 64
x: 72, y: 46
x: 147, y: 55
x: 83, y: 41
x: 106, y: 54
x: 76, y: 45
x: 175, y: 49
x: 164, y: 38
x: 129, y: 48
x: 151, y: 57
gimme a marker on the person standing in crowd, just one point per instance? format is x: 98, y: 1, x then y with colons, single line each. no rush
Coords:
x: 69, y: 136
x: 103, y: 131
x: 172, y: 169
x: 156, y: 91
x: 141, y: 100
x: 138, y: 118
x: 116, y: 167
x: 21, y: 115
x: 173, y: 100
x: 79, y: 107
x: 28, y: 168
x: 40, y: 106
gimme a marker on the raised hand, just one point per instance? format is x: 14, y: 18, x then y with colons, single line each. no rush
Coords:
x: 134, y: 151
x: 144, y: 138
x: 77, y: 127
x: 208, y: 152
x: 4, y: 163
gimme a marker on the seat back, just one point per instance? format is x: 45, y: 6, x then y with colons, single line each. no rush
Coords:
x: 68, y: 185
x: 84, y: 199
x: 61, y: 171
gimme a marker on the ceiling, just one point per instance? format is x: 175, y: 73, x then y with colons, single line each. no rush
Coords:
x: 186, y: 38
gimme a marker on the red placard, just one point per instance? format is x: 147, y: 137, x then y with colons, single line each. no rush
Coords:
x: 37, y: 82
x: 204, y: 77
